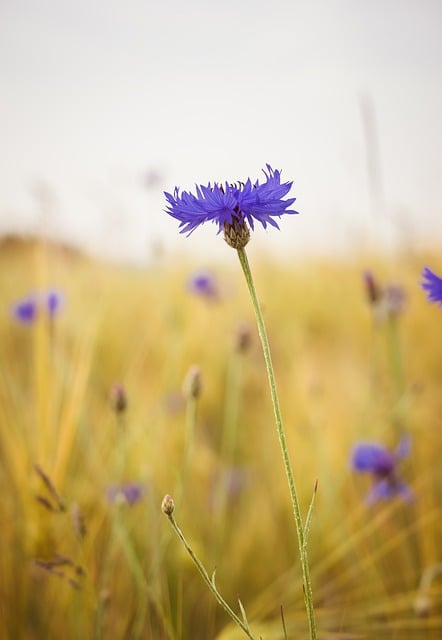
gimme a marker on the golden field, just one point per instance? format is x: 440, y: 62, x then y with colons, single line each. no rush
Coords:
x: 78, y: 562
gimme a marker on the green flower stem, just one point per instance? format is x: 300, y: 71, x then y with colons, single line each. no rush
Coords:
x: 209, y: 582
x: 228, y: 444
x: 191, y: 414
x: 302, y: 540
x: 397, y: 373
x: 146, y: 591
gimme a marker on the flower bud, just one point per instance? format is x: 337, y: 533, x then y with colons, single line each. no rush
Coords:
x: 243, y: 337
x: 236, y: 234
x: 167, y: 506
x: 192, y: 383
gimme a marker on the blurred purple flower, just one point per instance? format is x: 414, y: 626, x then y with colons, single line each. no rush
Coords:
x: 432, y: 284
x: 27, y: 309
x: 52, y: 301
x: 174, y: 402
x: 204, y: 284
x: 228, y: 485
x: 382, y: 464
x: 395, y: 299
x: 129, y: 493
x: 386, y: 301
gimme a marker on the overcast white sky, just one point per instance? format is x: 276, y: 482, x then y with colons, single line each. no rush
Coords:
x: 105, y: 104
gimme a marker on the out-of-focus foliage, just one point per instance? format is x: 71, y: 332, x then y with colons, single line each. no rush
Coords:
x: 85, y: 550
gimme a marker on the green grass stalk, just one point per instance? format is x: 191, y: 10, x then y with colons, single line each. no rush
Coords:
x: 191, y: 415
x: 146, y: 592
x: 397, y: 374
x: 228, y: 443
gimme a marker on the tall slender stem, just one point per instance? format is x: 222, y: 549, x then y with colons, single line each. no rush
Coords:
x: 302, y: 541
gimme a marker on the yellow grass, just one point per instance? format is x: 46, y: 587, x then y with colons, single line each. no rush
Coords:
x: 128, y: 577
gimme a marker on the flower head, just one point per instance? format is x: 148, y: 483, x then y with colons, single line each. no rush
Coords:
x: 232, y: 205
x: 386, y: 302
x: 382, y: 464
x: 204, y: 284
x: 52, y: 300
x: 27, y: 309
x: 432, y: 284
x: 129, y: 493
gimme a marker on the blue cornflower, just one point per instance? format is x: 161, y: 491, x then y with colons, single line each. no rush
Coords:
x: 230, y: 206
x: 27, y: 309
x: 432, y: 284
x: 204, y: 284
x: 382, y: 464
x: 389, y: 301
x: 129, y: 493
x: 52, y: 300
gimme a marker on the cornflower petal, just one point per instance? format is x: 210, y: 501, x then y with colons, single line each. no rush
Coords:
x: 371, y: 457
x: 386, y: 490
x: 240, y: 202
x: 432, y: 284
x: 403, y: 449
x: 382, y: 463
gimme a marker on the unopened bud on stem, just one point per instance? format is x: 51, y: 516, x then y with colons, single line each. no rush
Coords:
x: 118, y: 398
x: 192, y: 384
x: 168, y: 505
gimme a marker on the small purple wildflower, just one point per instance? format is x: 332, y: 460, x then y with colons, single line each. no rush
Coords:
x: 129, y: 493
x: 232, y: 204
x: 52, y: 301
x: 228, y: 485
x: 387, y: 302
x: 382, y: 464
x: 204, y: 284
x: 27, y: 309
x: 395, y: 299
x: 432, y: 284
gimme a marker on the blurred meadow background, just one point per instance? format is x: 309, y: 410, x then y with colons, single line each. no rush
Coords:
x: 109, y: 318
x: 96, y: 426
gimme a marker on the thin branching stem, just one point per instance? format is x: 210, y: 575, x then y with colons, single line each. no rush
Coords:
x: 302, y: 542
x: 210, y: 583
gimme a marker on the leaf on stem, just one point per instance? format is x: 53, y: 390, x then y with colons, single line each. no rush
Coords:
x: 243, y: 613
x: 310, y: 512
